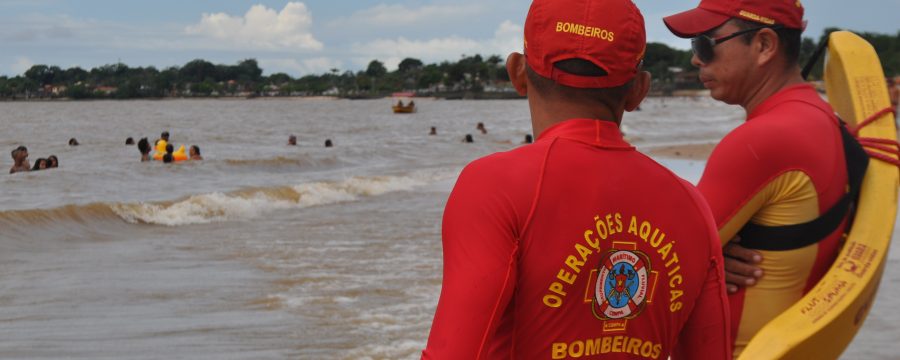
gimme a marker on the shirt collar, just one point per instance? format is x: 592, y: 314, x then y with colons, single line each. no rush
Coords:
x: 789, y: 93
x: 590, y: 131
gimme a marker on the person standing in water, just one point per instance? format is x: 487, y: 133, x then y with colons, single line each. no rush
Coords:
x: 195, y: 153
x: 144, y: 147
x: 480, y: 127
x: 578, y: 245
x: 20, y: 160
x: 40, y: 164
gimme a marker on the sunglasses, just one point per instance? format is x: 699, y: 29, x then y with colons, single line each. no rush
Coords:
x: 703, y: 45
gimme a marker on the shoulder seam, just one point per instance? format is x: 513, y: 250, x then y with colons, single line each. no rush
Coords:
x: 537, y: 190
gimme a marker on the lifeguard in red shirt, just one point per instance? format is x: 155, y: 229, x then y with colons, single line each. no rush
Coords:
x: 578, y: 246
x: 784, y: 180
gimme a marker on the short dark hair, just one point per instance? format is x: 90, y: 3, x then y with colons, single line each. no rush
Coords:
x: 22, y: 148
x: 165, y: 135
x: 169, y: 148
x: 789, y: 39
x: 579, y: 67
x: 144, y: 146
x: 167, y: 158
x: 129, y: 141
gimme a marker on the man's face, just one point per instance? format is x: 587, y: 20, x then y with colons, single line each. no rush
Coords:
x: 729, y: 75
x: 22, y: 155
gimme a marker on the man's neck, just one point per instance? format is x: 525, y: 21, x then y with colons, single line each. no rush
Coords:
x: 772, y: 83
x: 544, y: 116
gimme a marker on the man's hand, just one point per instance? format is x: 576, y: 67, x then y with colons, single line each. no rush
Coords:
x: 740, y: 266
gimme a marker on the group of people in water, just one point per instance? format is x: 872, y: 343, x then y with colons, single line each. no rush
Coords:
x: 292, y: 141
x: 21, y: 163
x: 165, y: 151
x: 480, y: 127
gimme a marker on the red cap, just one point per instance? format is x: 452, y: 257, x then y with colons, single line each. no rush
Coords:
x: 711, y: 14
x: 608, y: 33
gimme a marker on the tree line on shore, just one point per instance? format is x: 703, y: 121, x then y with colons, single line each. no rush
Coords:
x: 671, y: 70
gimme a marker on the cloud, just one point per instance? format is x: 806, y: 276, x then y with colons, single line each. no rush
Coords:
x: 21, y: 65
x: 397, y: 15
x: 507, y: 38
x: 261, y: 28
x: 319, y: 65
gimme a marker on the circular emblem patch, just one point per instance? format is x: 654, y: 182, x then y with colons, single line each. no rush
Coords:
x: 621, y: 285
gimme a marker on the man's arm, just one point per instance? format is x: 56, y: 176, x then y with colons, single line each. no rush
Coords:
x: 732, y: 187
x: 706, y: 333
x: 480, y: 252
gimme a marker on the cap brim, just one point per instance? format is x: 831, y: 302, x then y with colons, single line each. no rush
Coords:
x: 694, y: 22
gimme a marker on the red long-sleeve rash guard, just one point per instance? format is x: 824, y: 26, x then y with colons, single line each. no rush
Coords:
x: 784, y: 166
x: 528, y: 235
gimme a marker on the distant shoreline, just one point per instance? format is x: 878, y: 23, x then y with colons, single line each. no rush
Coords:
x: 440, y: 96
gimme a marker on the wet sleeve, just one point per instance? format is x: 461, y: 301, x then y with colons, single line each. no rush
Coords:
x: 705, y: 334
x: 479, y: 247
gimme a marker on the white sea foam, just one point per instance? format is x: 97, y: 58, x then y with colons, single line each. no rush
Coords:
x: 248, y: 204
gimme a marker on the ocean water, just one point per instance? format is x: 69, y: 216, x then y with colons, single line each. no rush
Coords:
x: 264, y: 251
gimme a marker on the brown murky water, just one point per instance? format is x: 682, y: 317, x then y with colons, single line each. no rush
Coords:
x: 263, y: 251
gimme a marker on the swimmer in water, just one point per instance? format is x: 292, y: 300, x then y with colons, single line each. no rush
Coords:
x: 195, y: 153
x: 144, y: 148
x: 20, y: 160
x: 328, y: 143
x: 292, y: 140
x: 39, y: 164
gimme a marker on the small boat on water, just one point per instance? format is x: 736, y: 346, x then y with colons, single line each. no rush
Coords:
x: 401, y: 107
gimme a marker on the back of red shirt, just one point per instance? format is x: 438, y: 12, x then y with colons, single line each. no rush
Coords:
x: 578, y: 247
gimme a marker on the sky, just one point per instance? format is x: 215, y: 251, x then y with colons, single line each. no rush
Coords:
x: 304, y: 37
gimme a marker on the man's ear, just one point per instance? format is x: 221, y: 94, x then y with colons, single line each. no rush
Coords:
x: 765, y: 45
x: 638, y: 90
x: 515, y: 67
